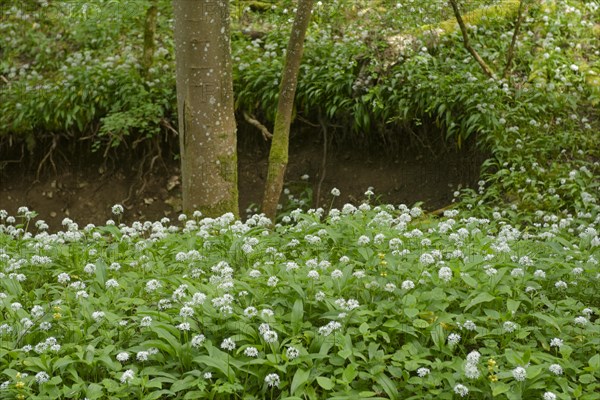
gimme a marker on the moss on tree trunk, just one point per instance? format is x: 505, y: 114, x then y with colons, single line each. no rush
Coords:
x: 278, y: 155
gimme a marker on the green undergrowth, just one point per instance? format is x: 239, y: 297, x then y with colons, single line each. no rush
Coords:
x: 372, y: 71
x: 358, y: 301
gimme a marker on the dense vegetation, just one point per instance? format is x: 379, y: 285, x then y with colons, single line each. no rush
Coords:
x: 496, y: 298
x: 367, y: 302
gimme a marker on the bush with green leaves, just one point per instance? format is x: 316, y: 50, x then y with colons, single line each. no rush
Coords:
x: 71, y: 70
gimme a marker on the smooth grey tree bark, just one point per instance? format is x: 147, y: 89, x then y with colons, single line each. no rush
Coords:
x: 205, y: 104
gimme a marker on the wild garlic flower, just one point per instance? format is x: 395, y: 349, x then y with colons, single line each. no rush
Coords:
x: 556, y: 369
x: 197, y: 341
x: 556, y: 342
x: 111, y: 283
x: 98, y: 315
x: 292, y: 353
x: 270, y: 336
x: 228, y: 344
x: 184, y: 326
x: 509, y: 326
x: 42, y: 377
x: 461, y: 390
x: 407, y: 285
x: 251, y: 352
x: 186, y: 312
x: 331, y: 327
x: 153, y: 285
x: 127, y: 376
x: 469, y: 325
x: 520, y: 374
x: 453, y: 339
x: 117, y: 209
x: 473, y: 357
x: 471, y: 371
x: 549, y: 396
x: 142, y: 356
x: 445, y: 274
x: 272, y: 282
x: 272, y: 380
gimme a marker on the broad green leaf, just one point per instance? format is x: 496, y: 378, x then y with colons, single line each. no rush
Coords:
x: 345, y: 353
x: 163, y: 333
x: 159, y: 394
x: 499, y: 387
x: 470, y: 281
x: 512, y: 305
x: 586, y: 379
x: 196, y: 394
x: 183, y: 384
x: 387, y: 384
x: 411, y: 312
x: 548, y: 320
x: 325, y: 383
x: 594, y: 362
x: 483, y: 297
x: 300, y: 378
x: 363, y: 328
x: 409, y: 300
x: 349, y: 373
x: 513, y: 357
x: 297, y: 317
x: 420, y: 323
x: 215, y: 362
x: 94, y: 391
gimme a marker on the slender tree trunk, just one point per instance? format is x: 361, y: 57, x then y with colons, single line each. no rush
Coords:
x: 486, y: 69
x: 278, y: 155
x: 513, y: 42
x: 207, y: 128
x: 149, y: 33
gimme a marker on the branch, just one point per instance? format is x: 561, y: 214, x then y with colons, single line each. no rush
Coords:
x: 511, y: 49
x: 263, y: 129
x: 486, y: 69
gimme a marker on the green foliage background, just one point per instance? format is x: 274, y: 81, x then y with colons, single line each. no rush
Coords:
x: 375, y: 70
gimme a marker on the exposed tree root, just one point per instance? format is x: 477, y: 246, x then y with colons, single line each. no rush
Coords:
x: 48, y: 157
x: 254, y: 122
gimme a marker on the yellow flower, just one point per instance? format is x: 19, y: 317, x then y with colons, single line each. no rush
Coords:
x: 383, y: 262
x: 20, y: 385
x: 384, y: 274
x: 56, y: 315
x: 381, y: 256
x: 493, y: 378
x: 491, y: 364
x: 56, y: 308
x: 18, y: 375
x: 21, y: 397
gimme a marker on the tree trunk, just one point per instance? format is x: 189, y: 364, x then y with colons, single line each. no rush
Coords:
x: 513, y: 42
x: 463, y: 29
x: 149, y: 32
x: 207, y: 128
x: 278, y: 155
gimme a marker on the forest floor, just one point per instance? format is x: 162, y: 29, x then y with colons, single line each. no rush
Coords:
x: 85, y: 190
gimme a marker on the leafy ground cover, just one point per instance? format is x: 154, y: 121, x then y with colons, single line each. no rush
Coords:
x: 497, y: 298
x: 373, y: 301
